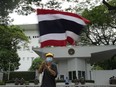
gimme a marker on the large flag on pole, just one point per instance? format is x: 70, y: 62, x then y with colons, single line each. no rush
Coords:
x: 58, y: 28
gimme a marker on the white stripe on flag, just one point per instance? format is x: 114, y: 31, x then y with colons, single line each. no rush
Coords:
x: 73, y: 35
x: 48, y: 17
x: 53, y: 36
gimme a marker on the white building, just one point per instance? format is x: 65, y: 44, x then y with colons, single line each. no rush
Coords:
x: 72, y: 61
x: 27, y: 54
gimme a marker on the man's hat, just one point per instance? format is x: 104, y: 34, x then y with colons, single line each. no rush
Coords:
x: 49, y: 54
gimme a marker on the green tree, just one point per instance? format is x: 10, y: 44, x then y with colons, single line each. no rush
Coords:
x: 103, y: 25
x: 26, y: 7
x: 36, y: 64
x: 6, y: 7
x: 11, y: 38
x: 108, y: 64
x: 102, y: 31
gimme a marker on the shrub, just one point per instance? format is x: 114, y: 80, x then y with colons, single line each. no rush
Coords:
x: 26, y: 82
x: 36, y: 81
x: 2, y: 83
x: 25, y: 74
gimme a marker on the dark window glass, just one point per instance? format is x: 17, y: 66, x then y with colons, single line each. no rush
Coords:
x: 62, y: 77
x: 70, y: 75
x: 74, y: 74
x: 83, y: 74
x: 79, y: 74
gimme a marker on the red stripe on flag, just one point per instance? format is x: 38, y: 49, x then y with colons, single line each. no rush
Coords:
x: 46, y: 11
x: 70, y: 40
x: 53, y: 43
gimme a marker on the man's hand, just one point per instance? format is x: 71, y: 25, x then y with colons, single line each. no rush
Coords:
x: 42, y: 67
x: 43, y: 64
x: 50, y: 70
x: 47, y: 67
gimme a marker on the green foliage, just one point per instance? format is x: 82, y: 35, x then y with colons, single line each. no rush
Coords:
x: 97, y: 16
x: 26, y: 75
x: 6, y: 7
x: 25, y: 7
x: 26, y: 82
x: 2, y: 82
x: 109, y: 64
x: 101, y: 30
x: 100, y: 16
x: 36, y: 64
x: 97, y: 67
x: 11, y: 36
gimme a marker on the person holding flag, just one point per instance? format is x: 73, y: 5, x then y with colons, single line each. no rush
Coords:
x: 49, y: 70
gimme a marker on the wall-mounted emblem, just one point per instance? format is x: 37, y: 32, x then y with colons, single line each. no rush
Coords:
x: 71, y: 51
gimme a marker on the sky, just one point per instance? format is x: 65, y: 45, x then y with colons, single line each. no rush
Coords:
x: 20, y: 19
x: 32, y: 18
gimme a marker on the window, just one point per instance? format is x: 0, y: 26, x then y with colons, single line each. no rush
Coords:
x: 62, y: 77
x: 72, y: 75
x: 35, y: 36
x: 29, y: 37
x: 81, y: 74
x: 32, y: 58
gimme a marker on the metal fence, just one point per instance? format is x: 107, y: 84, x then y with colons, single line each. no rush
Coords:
x: 59, y: 86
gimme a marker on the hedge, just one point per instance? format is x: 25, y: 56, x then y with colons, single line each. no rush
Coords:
x: 26, y: 75
x: 87, y: 81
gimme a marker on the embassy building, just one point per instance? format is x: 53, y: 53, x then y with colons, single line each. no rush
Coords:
x: 72, y: 61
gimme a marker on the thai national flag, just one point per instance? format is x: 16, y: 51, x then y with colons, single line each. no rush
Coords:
x: 58, y: 28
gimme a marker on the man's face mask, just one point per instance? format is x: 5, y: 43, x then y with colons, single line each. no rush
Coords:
x: 49, y: 59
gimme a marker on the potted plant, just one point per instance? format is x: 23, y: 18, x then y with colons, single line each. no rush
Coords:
x: 22, y: 81
x: 82, y: 81
x: 26, y: 82
x: 16, y: 81
x: 36, y: 81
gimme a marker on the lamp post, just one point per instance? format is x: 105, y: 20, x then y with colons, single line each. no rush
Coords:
x: 8, y: 70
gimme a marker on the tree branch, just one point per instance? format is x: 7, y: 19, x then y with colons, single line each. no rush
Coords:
x: 109, y: 6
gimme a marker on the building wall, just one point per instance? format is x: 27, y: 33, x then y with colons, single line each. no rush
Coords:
x: 71, y: 65
x: 26, y: 54
x: 33, y: 38
x: 101, y: 77
x: 62, y: 69
x: 80, y: 51
x: 88, y: 70
x: 76, y: 62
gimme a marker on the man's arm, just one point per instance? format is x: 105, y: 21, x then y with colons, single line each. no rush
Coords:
x: 41, y: 67
x: 52, y: 70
